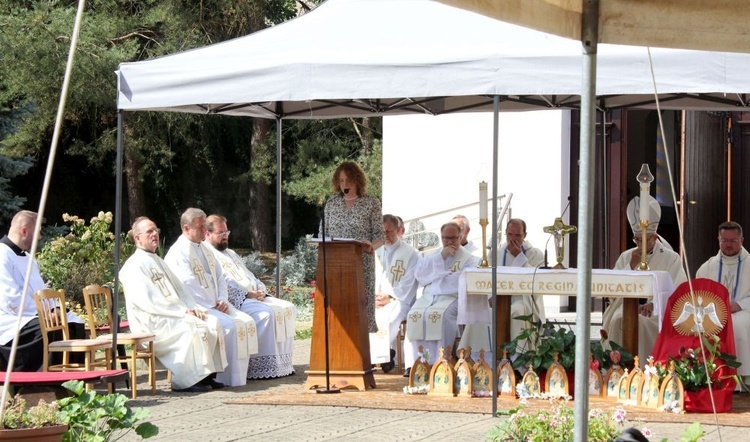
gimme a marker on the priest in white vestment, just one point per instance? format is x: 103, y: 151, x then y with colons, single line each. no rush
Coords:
x: 14, y: 260
x: 432, y: 321
x: 189, y: 342
x: 463, y: 223
x: 731, y: 268
x: 660, y: 257
x: 395, y: 291
x: 516, y: 252
x: 198, y: 269
x: 248, y: 294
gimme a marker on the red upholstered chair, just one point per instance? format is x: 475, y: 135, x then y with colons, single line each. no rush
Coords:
x: 679, y: 330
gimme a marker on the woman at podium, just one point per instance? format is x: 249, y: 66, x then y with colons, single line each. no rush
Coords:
x: 352, y: 213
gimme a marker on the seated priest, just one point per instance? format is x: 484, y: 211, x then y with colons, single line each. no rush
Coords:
x: 432, y: 321
x: 189, y: 342
x: 731, y: 268
x: 395, y: 291
x: 516, y: 252
x: 198, y: 269
x: 248, y: 294
x: 660, y: 257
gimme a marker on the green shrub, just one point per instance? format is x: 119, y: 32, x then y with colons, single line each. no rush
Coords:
x: 300, y: 267
x: 83, y: 256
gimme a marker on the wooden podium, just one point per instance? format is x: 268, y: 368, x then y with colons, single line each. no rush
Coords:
x: 348, y: 338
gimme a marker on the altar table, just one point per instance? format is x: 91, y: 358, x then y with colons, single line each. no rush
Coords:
x: 475, y: 288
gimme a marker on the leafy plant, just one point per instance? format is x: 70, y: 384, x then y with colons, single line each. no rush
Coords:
x: 607, y: 353
x: 690, y: 367
x: 83, y: 256
x: 537, y: 346
x: 93, y: 417
x: 17, y: 415
x: 300, y: 267
x: 557, y: 425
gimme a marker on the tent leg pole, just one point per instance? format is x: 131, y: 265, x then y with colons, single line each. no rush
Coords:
x: 278, y: 208
x: 589, y: 38
x: 493, y: 241
x: 118, y: 230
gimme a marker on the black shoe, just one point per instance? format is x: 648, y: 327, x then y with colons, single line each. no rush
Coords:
x: 387, y: 367
x: 216, y: 385
x: 407, y: 372
x: 211, y: 383
x: 197, y: 388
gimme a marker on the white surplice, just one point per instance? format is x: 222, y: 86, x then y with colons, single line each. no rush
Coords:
x: 157, y: 302
x: 661, y: 258
x: 733, y: 272
x: 431, y: 322
x: 274, y: 316
x: 395, y: 266
x: 477, y: 334
x: 12, y: 275
x: 198, y: 269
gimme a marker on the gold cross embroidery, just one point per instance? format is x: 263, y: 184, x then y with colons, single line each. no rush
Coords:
x: 416, y: 316
x: 229, y: 268
x: 157, y: 278
x: 200, y: 273
x: 398, y: 271
x: 435, y: 317
x: 456, y: 266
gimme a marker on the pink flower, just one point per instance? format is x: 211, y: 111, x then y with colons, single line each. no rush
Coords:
x: 312, y: 283
x: 594, y: 364
x: 615, y: 356
x: 619, y: 415
x: 647, y: 433
x: 312, y: 295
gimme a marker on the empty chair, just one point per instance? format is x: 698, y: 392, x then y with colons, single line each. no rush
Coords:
x: 98, y: 302
x: 50, y: 306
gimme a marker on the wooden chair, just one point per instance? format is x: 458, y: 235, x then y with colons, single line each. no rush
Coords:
x: 98, y: 302
x: 50, y: 306
x: 400, y: 347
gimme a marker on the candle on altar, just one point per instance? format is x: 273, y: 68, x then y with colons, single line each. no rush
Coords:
x: 483, y: 200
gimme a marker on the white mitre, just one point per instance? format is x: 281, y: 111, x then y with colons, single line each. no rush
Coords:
x: 634, y: 214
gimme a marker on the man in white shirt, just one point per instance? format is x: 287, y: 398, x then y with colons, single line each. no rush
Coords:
x: 463, y: 223
x: 14, y: 259
x: 199, y: 270
x: 432, y: 321
x: 189, y: 342
x: 248, y: 294
x: 660, y: 257
x: 516, y: 252
x: 395, y: 291
x: 731, y: 268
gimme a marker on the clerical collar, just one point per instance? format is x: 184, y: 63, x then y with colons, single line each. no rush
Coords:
x: 17, y: 250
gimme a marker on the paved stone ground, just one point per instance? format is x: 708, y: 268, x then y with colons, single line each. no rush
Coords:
x: 205, y: 417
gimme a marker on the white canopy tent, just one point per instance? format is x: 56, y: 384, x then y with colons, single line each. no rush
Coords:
x: 387, y: 57
x: 374, y: 57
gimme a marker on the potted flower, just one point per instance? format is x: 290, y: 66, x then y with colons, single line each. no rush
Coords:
x: 700, y: 369
x: 607, y: 353
x: 42, y: 422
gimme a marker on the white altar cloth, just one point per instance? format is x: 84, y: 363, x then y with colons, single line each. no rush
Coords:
x: 475, y: 287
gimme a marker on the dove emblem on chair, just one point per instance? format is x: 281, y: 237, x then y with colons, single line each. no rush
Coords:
x: 699, y: 312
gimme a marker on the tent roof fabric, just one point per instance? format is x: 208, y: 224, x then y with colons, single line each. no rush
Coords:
x: 378, y: 57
